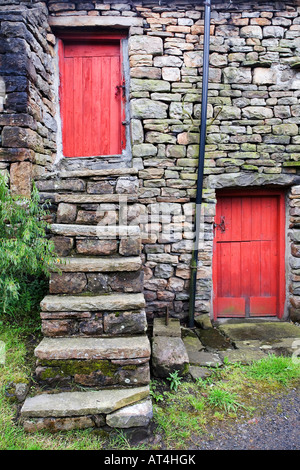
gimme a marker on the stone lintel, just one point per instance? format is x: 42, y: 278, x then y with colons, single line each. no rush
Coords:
x: 90, y: 21
x: 250, y: 179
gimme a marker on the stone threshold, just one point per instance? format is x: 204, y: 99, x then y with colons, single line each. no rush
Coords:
x: 87, y: 173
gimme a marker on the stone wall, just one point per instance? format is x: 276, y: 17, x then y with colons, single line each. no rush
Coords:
x: 27, y: 124
x: 253, y: 120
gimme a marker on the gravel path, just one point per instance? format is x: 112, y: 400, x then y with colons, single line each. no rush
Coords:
x: 275, y: 427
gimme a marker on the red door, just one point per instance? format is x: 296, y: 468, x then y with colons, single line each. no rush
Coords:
x: 91, y: 96
x: 249, y: 269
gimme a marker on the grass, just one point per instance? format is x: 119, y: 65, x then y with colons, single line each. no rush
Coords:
x: 223, y: 399
x: 184, y: 411
x: 233, y: 392
x: 275, y: 368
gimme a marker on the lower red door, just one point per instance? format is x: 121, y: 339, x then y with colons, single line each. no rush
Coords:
x: 249, y: 268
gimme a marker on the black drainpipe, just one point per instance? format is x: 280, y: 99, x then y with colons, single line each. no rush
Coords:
x: 194, y: 262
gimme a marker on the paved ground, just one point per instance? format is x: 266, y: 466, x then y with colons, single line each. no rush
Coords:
x: 276, y: 426
x: 244, y: 341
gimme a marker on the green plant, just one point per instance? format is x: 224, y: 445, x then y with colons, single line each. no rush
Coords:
x: 223, y: 399
x: 279, y: 368
x: 197, y: 403
x: 174, y: 380
x: 153, y: 392
x: 26, y: 255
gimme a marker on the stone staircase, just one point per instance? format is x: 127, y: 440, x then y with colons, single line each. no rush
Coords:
x: 93, y: 363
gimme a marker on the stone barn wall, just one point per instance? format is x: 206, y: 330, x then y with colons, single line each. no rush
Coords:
x: 27, y: 120
x: 252, y: 136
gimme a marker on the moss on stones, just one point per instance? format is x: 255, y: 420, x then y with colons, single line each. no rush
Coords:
x: 72, y: 367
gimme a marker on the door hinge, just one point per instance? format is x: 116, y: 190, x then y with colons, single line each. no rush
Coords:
x: 119, y: 88
x: 221, y: 225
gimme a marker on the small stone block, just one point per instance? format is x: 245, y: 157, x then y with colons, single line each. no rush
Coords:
x: 197, y: 355
x: 199, y: 372
x: 168, y: 355
x: 161, y: 329
x: 243, y: 356
x: 135, y: 415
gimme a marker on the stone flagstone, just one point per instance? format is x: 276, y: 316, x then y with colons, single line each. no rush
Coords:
x: 82, y: 403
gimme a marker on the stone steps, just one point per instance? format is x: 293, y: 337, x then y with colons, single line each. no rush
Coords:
x: 119, y: 408
x: 95, y: 324
x: 96, y: 275
x: 93, y: 348
x: 93, y: 315
x: 94, y: 362
x: 81, y: 303
x: 93, y: 320
x: 101, y: 232
x: 96, y: 240
x: 97, y: 264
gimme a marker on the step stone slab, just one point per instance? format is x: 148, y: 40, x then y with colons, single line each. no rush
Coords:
x: 93, y: 264
x: 89, y: 324
x: 101, y: 232
x: 96, y: 374
x: 67, y: 404
x: 109, y: 302
x: 93, y: 348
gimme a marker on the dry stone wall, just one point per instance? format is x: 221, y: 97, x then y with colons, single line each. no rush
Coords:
x: 252, y: 139
x: 253, y: 121
x: 27, y: 123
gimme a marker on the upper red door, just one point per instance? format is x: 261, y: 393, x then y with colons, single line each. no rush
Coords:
x: 92, y: 96
x: 249, y: 270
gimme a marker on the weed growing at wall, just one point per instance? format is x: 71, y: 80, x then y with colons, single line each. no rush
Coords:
x: 26, y: 255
